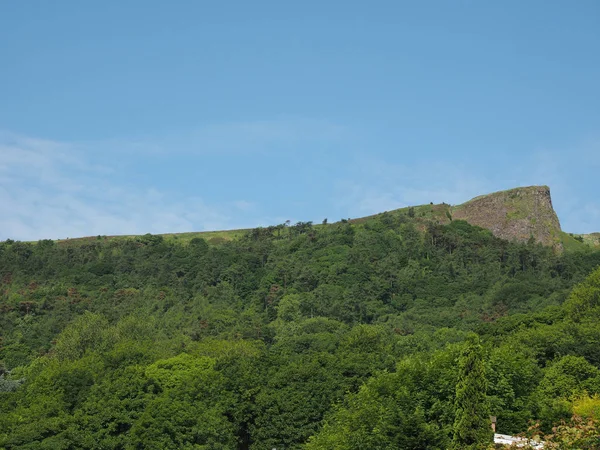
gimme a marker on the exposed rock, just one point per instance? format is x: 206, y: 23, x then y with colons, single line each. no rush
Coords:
x: 515, y: 215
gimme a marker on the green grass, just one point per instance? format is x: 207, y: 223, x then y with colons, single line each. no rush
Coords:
x: 518, y: 214
x: 209, y: 236
x: 423, y: 212
x: 570, y: 244
x: 213, y: 237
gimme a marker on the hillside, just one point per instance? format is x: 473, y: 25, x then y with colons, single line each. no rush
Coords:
x: 517, y: 214
x: 334, y: 336
x: 337, y: 336
x: 592, y: 239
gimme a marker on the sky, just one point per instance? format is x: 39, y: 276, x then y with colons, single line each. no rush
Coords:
x: 134, y: 117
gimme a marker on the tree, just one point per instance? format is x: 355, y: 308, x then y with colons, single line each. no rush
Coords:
x: 585, y: 298
x: 472, y: 429
x: 188, y: 409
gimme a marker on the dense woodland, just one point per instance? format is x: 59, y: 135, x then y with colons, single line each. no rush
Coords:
x: 371, y: 335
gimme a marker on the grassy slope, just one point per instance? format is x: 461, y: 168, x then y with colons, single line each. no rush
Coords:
x: 213, y: 237
x: 571, y: 244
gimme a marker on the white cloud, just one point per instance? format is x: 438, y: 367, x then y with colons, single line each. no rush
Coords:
x: 244, y: 137
x: 244, y: 205
x: 55, y: 190
x: 48, y: 190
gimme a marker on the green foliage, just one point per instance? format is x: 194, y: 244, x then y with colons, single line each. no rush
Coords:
x: 576, y: 433
x: 472, y: 427
x: 587, y: 407
x: 86, y: 333
x: 8, y: 385
x: 569, y: 377
x: 584, y: 301
x: 396, y: 410
x: 513, y: 375
x: 340, y: 335
x: 188, y: 410
x: 379, y: 416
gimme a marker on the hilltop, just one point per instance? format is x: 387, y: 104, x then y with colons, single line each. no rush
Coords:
x: 518, y: 215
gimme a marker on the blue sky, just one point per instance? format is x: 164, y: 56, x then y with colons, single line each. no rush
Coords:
x: 121, y: 117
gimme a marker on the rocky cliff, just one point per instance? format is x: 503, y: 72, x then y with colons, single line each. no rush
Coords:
x: 517, y: 214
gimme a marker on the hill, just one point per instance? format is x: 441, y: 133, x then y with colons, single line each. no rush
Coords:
x: 332, y: 336
x: 517, y: 214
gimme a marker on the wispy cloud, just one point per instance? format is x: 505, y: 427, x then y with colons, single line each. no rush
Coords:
x: 244, y: 205
x: 48, y: 190
x: 233, y: 138
x: 374, y: 185
x: 52, y: 189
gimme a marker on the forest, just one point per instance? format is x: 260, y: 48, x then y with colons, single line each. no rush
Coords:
x: 387, y: 333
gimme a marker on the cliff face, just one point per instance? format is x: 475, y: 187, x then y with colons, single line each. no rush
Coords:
x: 517, y: 214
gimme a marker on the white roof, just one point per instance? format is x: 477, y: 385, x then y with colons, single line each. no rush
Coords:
x: 520, y: 442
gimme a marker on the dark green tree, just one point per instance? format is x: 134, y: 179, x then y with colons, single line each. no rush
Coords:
x: 472, y: 428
